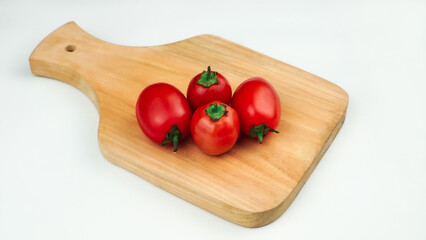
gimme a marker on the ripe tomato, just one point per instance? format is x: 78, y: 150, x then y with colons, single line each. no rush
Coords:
x: 206, y: 87
x: 163, y: 113
x: 215, y: 127
x: 258, y: 107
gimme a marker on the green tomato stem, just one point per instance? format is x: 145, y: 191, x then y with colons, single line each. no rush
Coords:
x: 208, y: 78
x: 260, y: 131
x: 173, y: 136
x: 260, y: 137
x: 175, y: 140
x: 216, y: 111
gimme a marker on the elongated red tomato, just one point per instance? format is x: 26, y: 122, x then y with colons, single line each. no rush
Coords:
x: 163, y: 113
x: 206, y: 87
x: 215, y: 128
x: 258, y: 106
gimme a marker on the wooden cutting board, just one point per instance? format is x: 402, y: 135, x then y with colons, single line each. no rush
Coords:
x: 252, y: 184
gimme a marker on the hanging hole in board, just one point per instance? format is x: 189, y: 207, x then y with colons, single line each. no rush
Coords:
x: 70, y: 48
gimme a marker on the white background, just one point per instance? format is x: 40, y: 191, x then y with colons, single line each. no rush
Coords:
x: 371, y: 184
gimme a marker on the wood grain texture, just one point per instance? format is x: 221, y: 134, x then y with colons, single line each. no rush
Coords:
x: 251, y: 185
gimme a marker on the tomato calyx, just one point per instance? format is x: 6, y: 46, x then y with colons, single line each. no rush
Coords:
x: 216, y: 111
x: 173, y: 136
x: 260, y: 131
x: 208, y: 78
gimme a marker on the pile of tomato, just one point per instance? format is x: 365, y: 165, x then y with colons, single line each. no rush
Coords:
x: 210, y: 113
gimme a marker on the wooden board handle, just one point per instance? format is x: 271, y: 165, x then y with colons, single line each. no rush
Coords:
x: 63, y: 53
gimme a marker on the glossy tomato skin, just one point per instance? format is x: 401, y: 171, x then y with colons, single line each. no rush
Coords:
x: 159, y: 107
x: 199, y: 95
x: 256, y: 102
x: 215, y: 137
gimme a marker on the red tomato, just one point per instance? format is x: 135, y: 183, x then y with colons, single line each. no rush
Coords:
x: 215, y: 127
x: 206, y: 87
x: 163, y: 113
x: 258, y: 107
